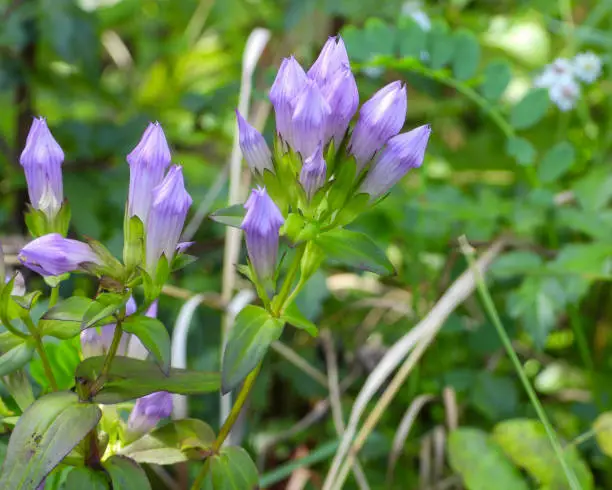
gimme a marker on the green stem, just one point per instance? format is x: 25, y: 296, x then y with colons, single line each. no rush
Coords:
x: 54, y: 296
x: 112, y: 352
x: 229, y: 423
x: 581, y: 340
x: 492, y: 312
x: 40, y: 348
x: 281, y: 300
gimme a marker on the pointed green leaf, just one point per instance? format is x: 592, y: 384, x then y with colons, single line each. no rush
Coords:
x: 85, y: 478
x: 46, y: 432
x: 475, y: 456
x: 253, y: 332
x: 64, y: 320
x: 294, y: 316
x: 125, y: 473
x: 521, y: 150
x: 17, y: 357
x: 530, y: 109
x: 105, y: 305
x: 497, y: 76
x: 9, y: 340
x: 232, y: 469
x: 153, y: 335
x: 466, y: 56
x: 557, y: 162
x: 355, y: 249
x: 132, y: 378
x: 231, y: 216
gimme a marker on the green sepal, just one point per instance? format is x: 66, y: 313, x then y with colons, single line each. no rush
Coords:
x: 230, y: 216
x: 343, y: 184
x: 36, y: 222
x: 110, y: 266
x: 355, y: 206
x: 293, y: 226
x: 293, y: 316
x: 134, y: 242
x: 180, y: 261
x: 61, y: 221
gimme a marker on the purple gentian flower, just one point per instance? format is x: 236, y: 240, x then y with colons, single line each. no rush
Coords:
x: 380, y: 118
x: 402, y: 152
x: 148, y: 163
x: 149, y: 410
x: 254, y: 147
x: 169, y: 209
x: 52, y: 255
x: 97, y: 341
x: 313, y: 174
x: 332, y: 58
x: 42, y: 160
x: 309, y: 119
x: 261, y: 225
x: 342, y: 95
x: 289, y: 82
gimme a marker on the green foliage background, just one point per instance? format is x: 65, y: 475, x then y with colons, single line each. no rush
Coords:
x: 502, y: 161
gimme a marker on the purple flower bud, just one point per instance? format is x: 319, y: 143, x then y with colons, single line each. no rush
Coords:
x: 254, y: 147
x: 167, y: 216
x: 403, y: 152
x: 42, y: 160
x: 261, y: 225
x: 380, y: 118
x: 309, y: 119
x: 52, y: 255
x: 97, y: 341
x: 149, y: 410
x: 342, y: 96
x: 332, y: 58
x: 148, y: 163
x: 289, y: 82
x: 313, y: 174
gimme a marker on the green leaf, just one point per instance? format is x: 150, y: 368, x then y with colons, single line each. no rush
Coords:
x: 125, y: 473
x: 440, y: 44
x: 588, y: 260
x: 294, y: 316
x: 479, y: 461
x: 497, y: 76
x: 27, y: 301
x: 530, y: 109
x: 344, y: 180
x: 175, y: 442
x: 132, y: 378
x: 594, y: 190
x: 154, y: 336
x: 17, y: 357
x: 380, y: 37
x: 516, y: 263
x: 557, y: 161
x: 84, y: 478
x: 356, y: 43
x: 525, y: 442
x: 411, y: 37
x: 105, y: 305
x: 466, y: 56
x: 64, y: 357
x: 64, y: 320
x: 496, y: 397
x: 253, y: 332
x: 9, y: 340
x: 603, y: 432
x: 231, y: 216
x: 355, y: 249
x: 46, y: 432
x: 521, y: 150
x: 232, y: 469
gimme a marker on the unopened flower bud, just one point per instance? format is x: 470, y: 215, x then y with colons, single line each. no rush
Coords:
x: 53, y: 255
x: 342, y: 95
x: 42, y: 160
x: 402, y: 152
x: 314, y: 173
x: 289, y: 82
x: 332, y: 58
x: 149, y: 410
x: 261, y: 225
x: 380, y: 118
x: 254, y: 147
x: 148, y: 163
x: 309, y: 119
x: 169, y: 209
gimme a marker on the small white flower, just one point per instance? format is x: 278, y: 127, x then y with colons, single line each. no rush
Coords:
x: 587, y: 66
x: 564, y: 93
x: 559, y: 69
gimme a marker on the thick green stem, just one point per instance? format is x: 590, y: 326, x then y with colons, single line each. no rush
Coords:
x: 54, y: 296
x: 492, y: 312
x: 229, y: 423
x: 40, y: 348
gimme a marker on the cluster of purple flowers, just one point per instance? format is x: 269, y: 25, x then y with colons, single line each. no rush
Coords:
x: 314, y: 109
x: 157, y: 196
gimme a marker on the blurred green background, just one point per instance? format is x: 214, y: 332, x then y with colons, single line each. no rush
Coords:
x: 502, y: 161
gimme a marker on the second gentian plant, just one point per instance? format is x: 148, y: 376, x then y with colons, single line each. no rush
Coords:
x: 330, y: 160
